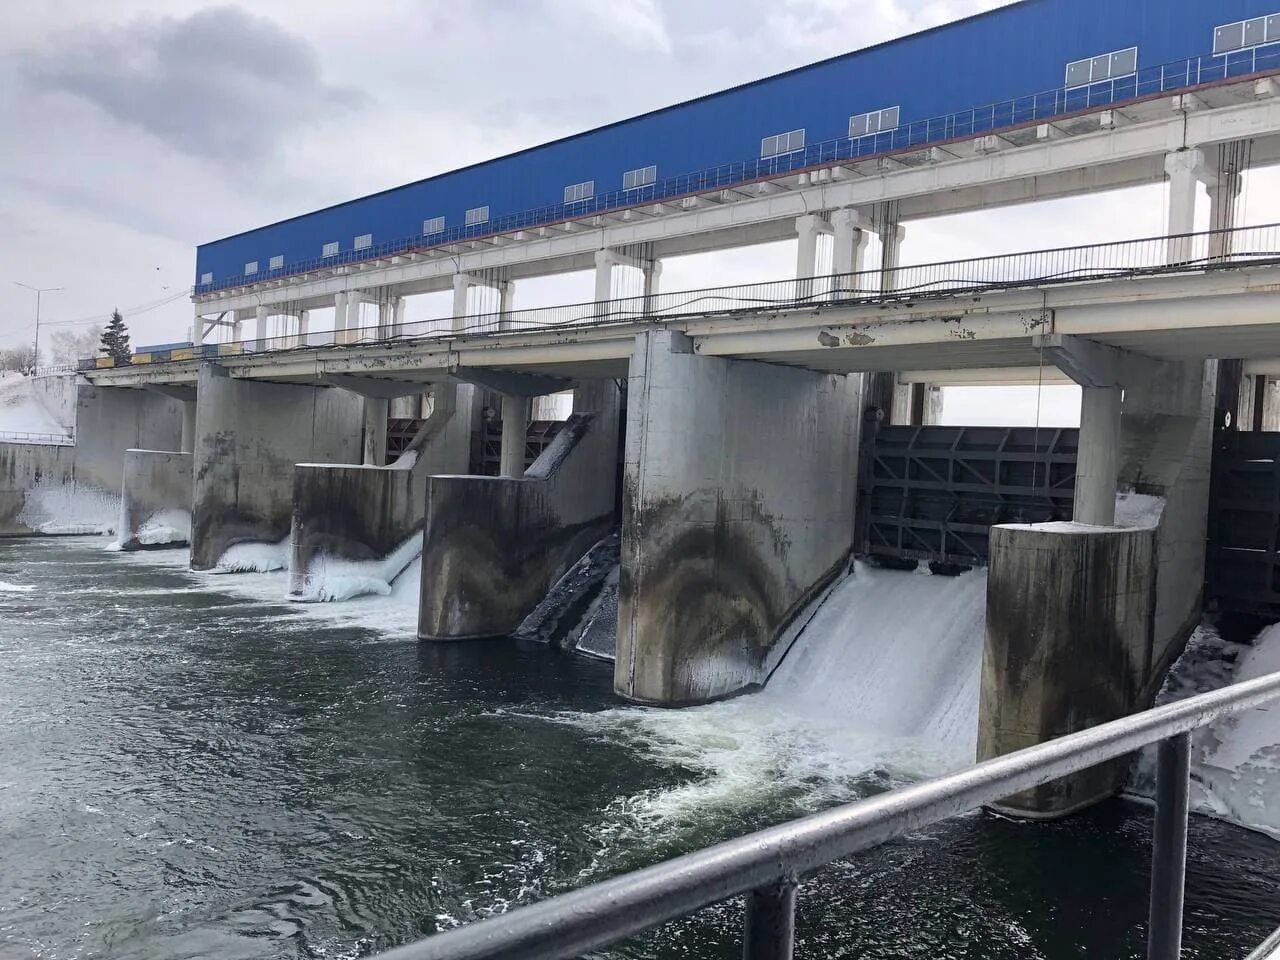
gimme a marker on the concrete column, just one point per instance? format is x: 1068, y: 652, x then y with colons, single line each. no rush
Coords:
x: 515, y: 429
x: 261, y: 319
x: 376, y: 411
x: 1098, y: 462
x: 304, y: 326
x: 387, y: 317
x: 652, y: 279
x: 506, y: 303
x: 808, y: 229
x: 462, y: 283
x: 1186, y: 170
x: 339, y: 313
x: 397, y: 316
x: 849, y: 246
x: 606, y: 260
x: 197, y: 331
x: 891, y: 237
x: 354, y: 300
x: 188, y: 443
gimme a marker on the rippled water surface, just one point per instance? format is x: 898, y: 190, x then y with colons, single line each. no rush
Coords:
x: 190, y: 767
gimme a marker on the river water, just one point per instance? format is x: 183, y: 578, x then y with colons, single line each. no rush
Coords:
x: 191, y: 767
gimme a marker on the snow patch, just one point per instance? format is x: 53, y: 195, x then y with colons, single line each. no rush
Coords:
x: 59, y: 509
x: 21, y: 410
x: 331, y: 579
x: 254, y: 557
x: 1134, y: 511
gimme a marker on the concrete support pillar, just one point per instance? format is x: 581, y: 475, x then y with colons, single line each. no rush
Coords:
x: 891, y: 236
x: 849, y: 247
x: 462, y: 284
x: 354, y: 301
x: 515, y: 429
x: 606, y: 260
x: 1098, y: 462
x: 188, y: 442
x: 261, y: 319
x: 740, y: 485
x: 652, y: 280
x: 808, y: 228
x: 506, y: 303
x: 197, y: 331
x: 339, y: 314
x: 304, y: 326
x: 1186, y: 170
x: 376, y: 411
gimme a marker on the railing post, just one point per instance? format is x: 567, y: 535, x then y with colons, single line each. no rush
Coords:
x: 1169, y: 856
x: 770, y: 927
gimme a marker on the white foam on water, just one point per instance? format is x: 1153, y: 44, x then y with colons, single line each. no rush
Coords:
x: 254, y: 557
x: 167, y: 526
x: 881, y: 688
x: 1235, y: 762
x: 394, y: 615
x: 16, y: 587
x: 330, y: 579
x: 70, y: 509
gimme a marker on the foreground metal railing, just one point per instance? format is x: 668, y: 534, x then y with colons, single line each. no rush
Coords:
x: 767, y: 865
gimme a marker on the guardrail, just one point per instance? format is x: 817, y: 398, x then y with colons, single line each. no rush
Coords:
x: 767, y: 865
x: 21, y: 436
x: 1183, y: 253
x: 1057, y: 103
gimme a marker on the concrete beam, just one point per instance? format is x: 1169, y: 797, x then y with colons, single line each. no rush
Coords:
x: 1093, y: 364
x: 371, y: 386
x: 512, y: 383
x: 183, y: 392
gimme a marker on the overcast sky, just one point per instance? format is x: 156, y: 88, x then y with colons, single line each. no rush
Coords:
x: 134, y: 130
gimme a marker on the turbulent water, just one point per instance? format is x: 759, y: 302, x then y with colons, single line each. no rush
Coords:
x: 191, y: 767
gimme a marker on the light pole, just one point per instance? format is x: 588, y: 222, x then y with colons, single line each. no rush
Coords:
x: 35, y: 347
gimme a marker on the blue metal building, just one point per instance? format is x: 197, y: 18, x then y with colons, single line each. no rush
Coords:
x: 1023, y: 63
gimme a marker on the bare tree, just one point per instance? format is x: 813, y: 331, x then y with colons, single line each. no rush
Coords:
x: 67, y: 346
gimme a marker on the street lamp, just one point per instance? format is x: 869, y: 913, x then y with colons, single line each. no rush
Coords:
x: 35, y: 347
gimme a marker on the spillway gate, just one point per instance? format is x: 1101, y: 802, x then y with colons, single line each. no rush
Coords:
x: 933, y: 493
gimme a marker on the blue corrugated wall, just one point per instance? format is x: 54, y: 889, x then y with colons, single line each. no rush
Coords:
x: 1011, y: 52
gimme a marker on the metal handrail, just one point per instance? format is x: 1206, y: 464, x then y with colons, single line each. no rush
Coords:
x: 1057, y: 103
x: 22, y: 436
x: 767, y: 865
x: 1182, y: 253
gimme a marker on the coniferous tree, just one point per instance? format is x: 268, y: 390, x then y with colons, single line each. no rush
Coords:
x: 115, y: 340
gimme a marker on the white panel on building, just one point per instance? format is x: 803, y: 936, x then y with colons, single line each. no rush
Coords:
x: 577, y: 192
x: 363, y: 242
x: 782, y: 143
x: 477, y: 215
x: 276, y: 262
x: 251, y: 268
x: 433, y: 226
x: 641, y: 177
x: 330, y: 249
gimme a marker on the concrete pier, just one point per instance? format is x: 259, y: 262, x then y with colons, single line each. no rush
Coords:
x: 248, y: 438
x: 493, y: 546
x: 155, y: 500
x: 1084, y: 619
x: 739, y: 493
x: 345, y: 514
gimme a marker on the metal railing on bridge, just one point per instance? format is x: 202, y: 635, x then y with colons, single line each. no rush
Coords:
x: 22, y: 436
x: 1055, y: 104
x: 767, y: 865
x: 1150, y: 256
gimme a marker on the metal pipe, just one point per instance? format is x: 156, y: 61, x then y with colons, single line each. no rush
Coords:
x: 604, y: 913
x: 770, y: 923
x: 1169, y: 857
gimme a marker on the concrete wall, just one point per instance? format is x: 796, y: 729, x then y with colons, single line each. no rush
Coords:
x: 739, y: 492
x: 111, y: 420
x: 493, y: 546
x: 24, y: 468
x: 155, y: 499
x: 249, y: 435
x: 57, y: 393
x: 1069, y: 645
